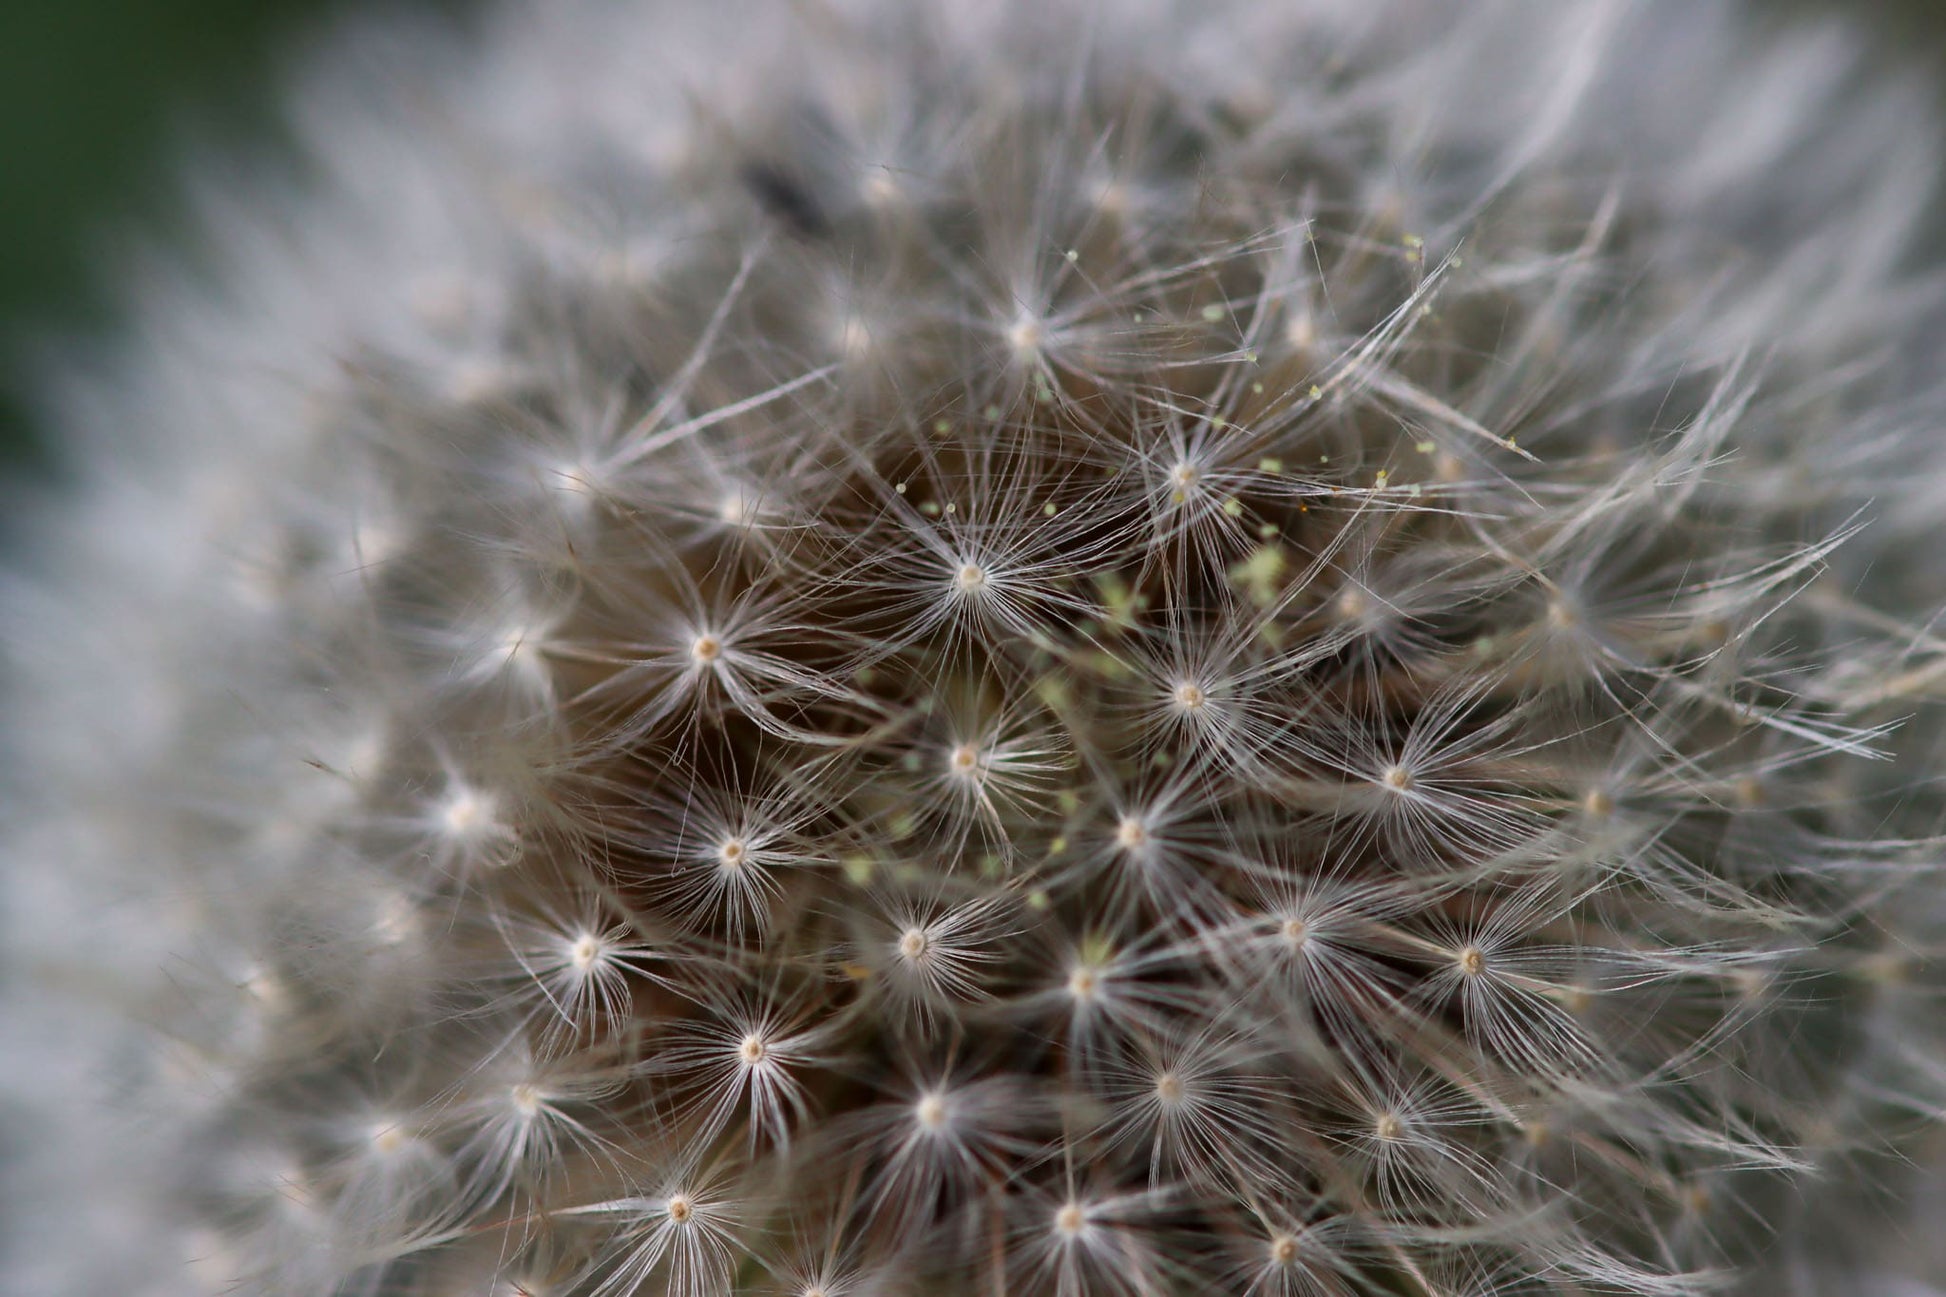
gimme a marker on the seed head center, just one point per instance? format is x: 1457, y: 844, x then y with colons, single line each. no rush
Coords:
x: 466, y: 813
x: 930, y: 1112
x: 736, y: 508
x: 1026, y: 335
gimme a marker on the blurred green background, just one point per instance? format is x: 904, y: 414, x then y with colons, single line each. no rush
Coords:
x: 96, y: 99
x: 93, y: 93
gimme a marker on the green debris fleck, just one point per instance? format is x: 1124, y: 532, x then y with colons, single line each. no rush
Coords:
x: 1260, y: 573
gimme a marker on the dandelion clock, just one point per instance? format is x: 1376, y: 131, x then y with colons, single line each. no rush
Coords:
x: 863, y: 649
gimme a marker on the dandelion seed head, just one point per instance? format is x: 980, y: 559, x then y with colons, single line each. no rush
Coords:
x: 396, y: 920
x: 575, y: 480
x: 964, y: 649
x: 737, y: 507
x: 520, y: 651
x: 387, y: 1138
x: 882, y: 189
x: 1025, y: 336
x: 1301, y: 333
x: 930, y: 1112
x: 855, y: 339
x: 466, y: 813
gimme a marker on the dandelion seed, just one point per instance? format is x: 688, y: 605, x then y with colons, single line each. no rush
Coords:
x: 1025, y: 335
